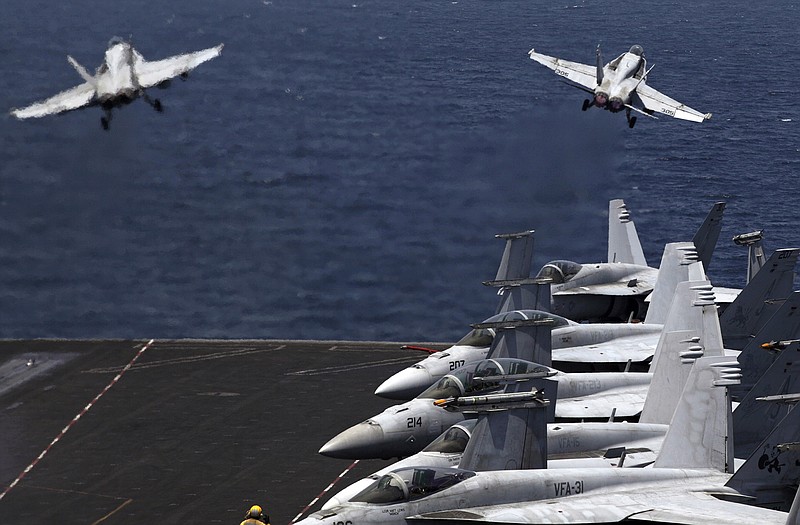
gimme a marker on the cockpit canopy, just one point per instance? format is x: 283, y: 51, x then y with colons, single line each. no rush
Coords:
x: 411, y: 483
x: 528, y: 315
x: 559, y: 271
x: 637, y: 50
x: 467, y: 379
x: 115, y: 40
x: 478, y: 337
x: 454, y: 440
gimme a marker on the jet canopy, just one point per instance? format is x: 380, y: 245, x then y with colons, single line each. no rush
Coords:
x: 637, y: 50
x: 479, y: 337
x: 467, y: 380
x: 528, y: 315
x: 411, y: 483
x: 454, y: 440
x: 559, y: 271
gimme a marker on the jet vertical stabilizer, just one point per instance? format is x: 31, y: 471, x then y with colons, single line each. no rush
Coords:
x: 759, y: 354
x: 623, y: 241
x: 760, y: 299
x: 599, y: 65
x: 691, y: 331
x: 700, y: 433
x: 705, y: 240
x: 82, y: 71
x: 755, y: 416
x: 530, y: 294
x: 517, y: 255
x: 678, y: 264
x: 771, y: 474
x: 511, y: 432
x: 521, y: 334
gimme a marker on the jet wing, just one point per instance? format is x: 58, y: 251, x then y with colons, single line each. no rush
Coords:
x: 77, y: 97
x: 643, y: 506
x: 582, y: 74
x: 654, y: 100
x: 621, y: 402
x: 616, y: 289
x: 151, y: 73
x: 635, y: 349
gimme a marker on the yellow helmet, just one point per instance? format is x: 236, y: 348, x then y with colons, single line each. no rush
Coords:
x: 254, y: 512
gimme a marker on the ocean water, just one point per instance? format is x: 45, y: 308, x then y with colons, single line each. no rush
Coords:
x: 341, y: 170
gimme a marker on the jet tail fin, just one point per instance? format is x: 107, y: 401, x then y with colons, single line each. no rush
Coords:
x: 528, y: 294
x: 766, y: 404
x: 678, y: 264
x: 81, y: 71
x: 758, y: 355
x: 760, y: 299
x: 511, y: 434
x: 691, y: 331
x: 599, y: 65
x: 772, y: 471
x: 517, y: 255
x: 521, y: 334
x: 623, y: 241
x: 700, y: 433
x: 705, y: 239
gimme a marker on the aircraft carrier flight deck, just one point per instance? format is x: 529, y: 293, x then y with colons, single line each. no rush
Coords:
x: 180, y: 431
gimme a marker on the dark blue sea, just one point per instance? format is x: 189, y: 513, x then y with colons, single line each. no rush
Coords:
x: 341, y: 170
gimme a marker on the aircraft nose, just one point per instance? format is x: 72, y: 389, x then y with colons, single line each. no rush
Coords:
x: 405, y: 384
x: 357, y: 442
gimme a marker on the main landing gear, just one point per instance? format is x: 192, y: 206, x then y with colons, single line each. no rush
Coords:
x: 631, y: 120
x: 586, y: 104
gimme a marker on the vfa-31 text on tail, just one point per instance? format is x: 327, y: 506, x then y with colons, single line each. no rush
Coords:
x: 123, y: 76
x: 619, y: 85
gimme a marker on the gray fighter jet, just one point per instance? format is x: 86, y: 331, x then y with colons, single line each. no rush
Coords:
x: 620, y: 85
x: 524, y: 341
x: 123, y: 76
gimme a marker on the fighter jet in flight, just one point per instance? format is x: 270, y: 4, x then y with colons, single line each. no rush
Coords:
x: 123, y: 76
x: 619, y: 85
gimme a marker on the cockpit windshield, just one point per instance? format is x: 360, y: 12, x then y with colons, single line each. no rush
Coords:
x: 467, y: 380
x: 454, y: 440
x: 478, y: 337
x: 637, y: 50
x: 411, y: 483
x: 559, y: 271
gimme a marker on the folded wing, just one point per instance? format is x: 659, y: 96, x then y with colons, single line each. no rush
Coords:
x: 152, y: 73
x: 74, y: 98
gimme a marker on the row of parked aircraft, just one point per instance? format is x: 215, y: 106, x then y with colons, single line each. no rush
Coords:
x: 698, y: 426
x: 124, y: 75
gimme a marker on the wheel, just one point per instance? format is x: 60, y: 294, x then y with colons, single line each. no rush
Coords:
x: 632, y: 122
x: 104, y: 123
x: 157, y: 105
x: 585, y: 106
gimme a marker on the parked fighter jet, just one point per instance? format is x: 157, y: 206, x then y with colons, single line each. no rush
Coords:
x: 522, y: 346
x: 616, y: 290
x: 619, y: 85
x: 123, y: 76
x: 689, y: 483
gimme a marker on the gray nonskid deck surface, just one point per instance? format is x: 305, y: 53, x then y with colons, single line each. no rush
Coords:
x: 195, y: 430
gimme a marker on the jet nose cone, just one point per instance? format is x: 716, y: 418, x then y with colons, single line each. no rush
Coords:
x: 357, y: 442
x: 405, y: 384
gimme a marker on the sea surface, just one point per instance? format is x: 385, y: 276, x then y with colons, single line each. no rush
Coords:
x: 341, y: 170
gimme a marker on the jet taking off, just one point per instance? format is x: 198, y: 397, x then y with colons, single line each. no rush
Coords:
x: 620, y: 85
x: 123, y: 76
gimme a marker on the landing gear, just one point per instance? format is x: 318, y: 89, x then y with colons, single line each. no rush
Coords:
x: 157, y: 106
x: 106, y: 119
x: 586, y: 104
x: 631, y: 120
